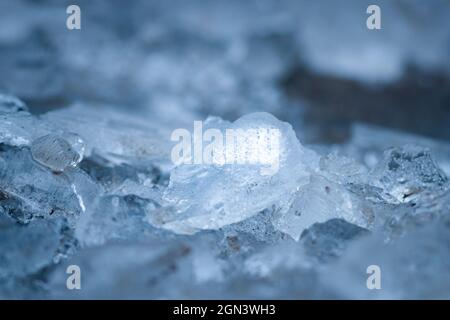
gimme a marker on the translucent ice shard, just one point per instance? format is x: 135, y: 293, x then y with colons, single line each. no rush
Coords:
x: 318, y: 201
x: 114, y: 217
x: 343, y: 169
x: 211, y: 196
x: 56, y: 153
x: 116, y: 136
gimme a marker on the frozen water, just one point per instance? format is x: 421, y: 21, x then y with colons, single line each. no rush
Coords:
x: 75, y: 192
x: 86, y: 176
x: 30, y: 190
x: 340, y: 168
x: 319, y: 201
x: 405, y: 173
x: 85, y: 205
x: 238, y: 226
x: 258, y: 228
x: 114, y: 217
x: 57, y: 153
x: 115, y: 136
x: 202, y: 197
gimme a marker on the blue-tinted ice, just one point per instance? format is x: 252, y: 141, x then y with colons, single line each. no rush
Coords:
x: 91, y: 181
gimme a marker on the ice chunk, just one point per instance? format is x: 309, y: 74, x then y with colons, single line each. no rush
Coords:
x: 212, y: 196
x: 319, y: 201
x: 343, y: 169
x: 406, y: 172
x: 76, y: 143
x: 56, y: 153
x: 113, y: 135
x: 29, y: 190
x: 327, y: 241
x: 115, y: 217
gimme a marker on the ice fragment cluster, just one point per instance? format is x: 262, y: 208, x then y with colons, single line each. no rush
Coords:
x: 90, y: 184
x: 108, y: 201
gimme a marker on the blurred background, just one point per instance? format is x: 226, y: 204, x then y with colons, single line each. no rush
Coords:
x: 312, y: 63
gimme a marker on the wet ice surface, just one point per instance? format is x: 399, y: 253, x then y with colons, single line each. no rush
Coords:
x: 91, y: 183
